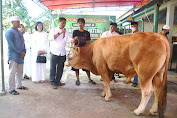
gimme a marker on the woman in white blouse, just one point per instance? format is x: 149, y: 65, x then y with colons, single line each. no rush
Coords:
x: 40, y: 46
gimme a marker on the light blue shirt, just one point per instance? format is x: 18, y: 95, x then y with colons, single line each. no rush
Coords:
x: 16, y: 45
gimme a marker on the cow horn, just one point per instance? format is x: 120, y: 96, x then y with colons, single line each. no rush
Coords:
x: 77, y: 40
x: 77, y: 50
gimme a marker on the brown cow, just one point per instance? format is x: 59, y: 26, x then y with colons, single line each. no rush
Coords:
x: 146, y: 54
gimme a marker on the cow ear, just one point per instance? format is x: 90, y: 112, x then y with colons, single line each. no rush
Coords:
x: 77, y: 50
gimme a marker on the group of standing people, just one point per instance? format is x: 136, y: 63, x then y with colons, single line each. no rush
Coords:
x: 35, y: 45
x: 24, y: 51
x: 58, y: 38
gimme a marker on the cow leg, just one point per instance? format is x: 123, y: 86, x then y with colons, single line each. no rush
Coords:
x: 104, y: 92
x: 157, y: 84
x: 107, y: 91
x: 146, y: 91
x: 128, y: 80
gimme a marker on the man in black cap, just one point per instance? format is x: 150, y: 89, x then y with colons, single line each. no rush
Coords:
x: 134, y: 27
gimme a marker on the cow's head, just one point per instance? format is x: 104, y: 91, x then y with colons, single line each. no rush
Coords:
x: 73, y: 57
x: 74, y: 54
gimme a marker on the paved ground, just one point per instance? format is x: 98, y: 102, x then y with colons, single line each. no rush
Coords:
x: 71, y: 101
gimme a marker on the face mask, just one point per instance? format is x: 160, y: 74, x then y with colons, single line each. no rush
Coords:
x: 133, y: 29
x: 166, y: 33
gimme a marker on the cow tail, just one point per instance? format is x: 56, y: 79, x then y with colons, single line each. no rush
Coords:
x: 162, y: 100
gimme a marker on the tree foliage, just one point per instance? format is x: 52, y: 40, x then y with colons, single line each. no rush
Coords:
x: 12, y: 8
x: 17, y: 7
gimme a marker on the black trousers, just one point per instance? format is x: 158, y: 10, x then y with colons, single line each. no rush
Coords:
x: 56, y: 68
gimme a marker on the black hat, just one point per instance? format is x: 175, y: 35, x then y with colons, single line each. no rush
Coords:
x: 134, y: 23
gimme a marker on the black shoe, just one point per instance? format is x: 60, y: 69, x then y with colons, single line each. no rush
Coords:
x: 60, y: 84
x: 77, y: 82
x: 92, y: 82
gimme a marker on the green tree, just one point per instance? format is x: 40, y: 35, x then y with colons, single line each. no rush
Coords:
x: 12, y: 8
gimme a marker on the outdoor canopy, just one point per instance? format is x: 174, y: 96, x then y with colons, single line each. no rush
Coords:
x: 69, y: 4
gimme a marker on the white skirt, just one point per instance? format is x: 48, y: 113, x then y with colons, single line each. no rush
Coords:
x: 38, y: 71
x: 27, y: 68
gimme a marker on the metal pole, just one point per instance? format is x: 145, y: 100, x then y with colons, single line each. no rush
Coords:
x: 156, y: 16
x: 142, y: 25
x: 2, y: 59
x: 124, y: 29
x: 138, y: 14
x: 94, y: 4
x: 120, y: 27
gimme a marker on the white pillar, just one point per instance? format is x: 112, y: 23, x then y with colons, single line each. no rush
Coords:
x: 2, y: 92
x: 169, y: 21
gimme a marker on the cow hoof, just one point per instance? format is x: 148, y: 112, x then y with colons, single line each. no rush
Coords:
x: 126, y: 82
x: 153, y: 113
x: 107, y: 99
x: 103, y: 94
x: 137, y: 113
x: 133, y: 113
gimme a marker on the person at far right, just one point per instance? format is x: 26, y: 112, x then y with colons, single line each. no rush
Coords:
x: 165, y: 30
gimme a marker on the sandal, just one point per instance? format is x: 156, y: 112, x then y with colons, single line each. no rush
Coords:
x: 92, y: 82
x: 23, y: 88
x: 14, y: 92
x: 26, y: 77
x: 135, y: 84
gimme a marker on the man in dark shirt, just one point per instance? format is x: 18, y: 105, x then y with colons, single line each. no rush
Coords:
x: 84, y: 39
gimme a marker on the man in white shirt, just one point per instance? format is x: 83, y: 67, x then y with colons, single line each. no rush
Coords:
x: 58, y: 38
x: 112, y: 31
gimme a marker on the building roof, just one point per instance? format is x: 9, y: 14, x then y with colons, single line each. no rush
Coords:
x: 69, y: 4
